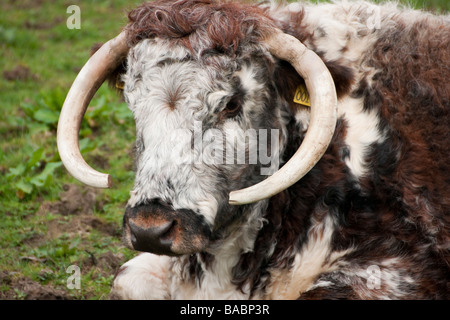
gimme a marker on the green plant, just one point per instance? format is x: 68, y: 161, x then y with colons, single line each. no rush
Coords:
x: 45, y: 111
x: 36, y: 173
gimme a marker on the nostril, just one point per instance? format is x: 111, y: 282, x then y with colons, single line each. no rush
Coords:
x: 156, y: 239
x: 169, y: 233
x: 159, y: 231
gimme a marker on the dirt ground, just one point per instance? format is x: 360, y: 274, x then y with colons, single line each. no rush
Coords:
x: 32, y: 290
x: 78, y: 203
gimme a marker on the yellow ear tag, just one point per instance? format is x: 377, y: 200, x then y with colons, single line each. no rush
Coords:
x: 119, y: 83
x: 302, y: 96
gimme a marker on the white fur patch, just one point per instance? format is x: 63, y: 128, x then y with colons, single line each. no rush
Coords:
x: 315, y: 257
x: 361, y: 133
x: 167, y: 167
x: 143, y: 277
x: 336, y: 26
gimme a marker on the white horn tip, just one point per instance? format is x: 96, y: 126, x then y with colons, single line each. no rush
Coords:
x: 102, y: 181
x: 240, y: 197
x: 232, y: 201
x: 89, y: 176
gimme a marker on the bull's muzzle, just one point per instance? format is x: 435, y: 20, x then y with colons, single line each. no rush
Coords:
x: 157, y: 228
x: 153, y: 239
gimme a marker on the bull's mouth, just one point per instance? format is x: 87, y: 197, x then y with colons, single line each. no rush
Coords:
x: 159, y: 229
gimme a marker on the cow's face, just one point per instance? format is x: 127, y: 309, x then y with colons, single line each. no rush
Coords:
x: 205, y: 125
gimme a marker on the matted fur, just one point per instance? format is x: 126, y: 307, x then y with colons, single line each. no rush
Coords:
x: 200, y: 25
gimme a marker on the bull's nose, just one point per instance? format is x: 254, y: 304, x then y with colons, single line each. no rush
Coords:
x: 153, y: 239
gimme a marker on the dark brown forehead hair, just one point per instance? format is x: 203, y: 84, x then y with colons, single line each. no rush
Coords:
x: 224, y: 26
x: 200, y: 25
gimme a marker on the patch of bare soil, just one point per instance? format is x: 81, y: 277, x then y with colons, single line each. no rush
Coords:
x: 79, y: 203
x: 74, y: 200
x: 19, y: 73
x: 107, y: 263
x: 80, y: 225
x: 28, y: 289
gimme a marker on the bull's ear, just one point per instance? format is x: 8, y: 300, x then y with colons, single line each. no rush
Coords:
x: 291, y: 86
x: 287, y: 82
x: 323, y: 100
x: 114, y: 79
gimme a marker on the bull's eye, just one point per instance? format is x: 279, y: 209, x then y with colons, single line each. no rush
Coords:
x: 233, y: 107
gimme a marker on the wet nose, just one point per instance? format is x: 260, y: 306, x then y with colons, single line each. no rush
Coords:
x: 155, y: 239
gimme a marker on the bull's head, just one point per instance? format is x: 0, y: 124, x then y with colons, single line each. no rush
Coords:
x: 188, y: 194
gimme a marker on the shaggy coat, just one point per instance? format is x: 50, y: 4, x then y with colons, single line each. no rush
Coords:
x: 370, y: 221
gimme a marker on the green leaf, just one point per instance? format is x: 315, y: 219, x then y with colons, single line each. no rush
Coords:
x: 51, y: 166
x: 46, y: 116
x: 54, y: 99
x: 35, y: 158
x: 29, y: 109
x: 100, y: 107
x: 41, y: 180
x: 17, y: 171
x: 46, y: 176
x: 87, y: 145
x: 24, y: 186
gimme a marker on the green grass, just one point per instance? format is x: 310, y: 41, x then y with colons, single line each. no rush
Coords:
x: 432, y: 5
x: 42, y: 231
x: 40, y: 58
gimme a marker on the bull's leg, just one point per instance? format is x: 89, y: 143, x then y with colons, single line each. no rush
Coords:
x: 143, y: 277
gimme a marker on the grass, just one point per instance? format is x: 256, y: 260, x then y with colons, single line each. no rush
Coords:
x: 40, y: 59
x: 49, y: 221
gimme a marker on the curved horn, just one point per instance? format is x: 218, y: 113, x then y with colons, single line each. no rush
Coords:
x: 86, y: 84
x: 322, y: 124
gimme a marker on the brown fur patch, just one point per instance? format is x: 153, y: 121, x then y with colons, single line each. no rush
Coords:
x: 414, y: 102
x: 200, y: 25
